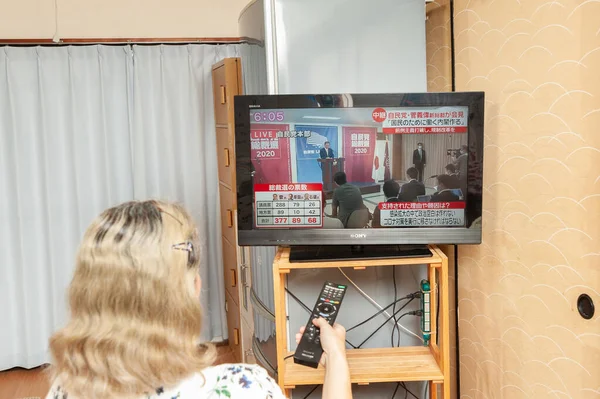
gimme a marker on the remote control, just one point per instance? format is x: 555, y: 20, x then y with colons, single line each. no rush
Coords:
x: 309, y: 350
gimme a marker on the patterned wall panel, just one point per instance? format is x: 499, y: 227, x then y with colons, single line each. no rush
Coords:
x: 439, y: 79
x: 520, y: 333
x: 439, y: 46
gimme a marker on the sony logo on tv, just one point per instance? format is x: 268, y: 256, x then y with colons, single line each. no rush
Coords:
x: 358, y: 235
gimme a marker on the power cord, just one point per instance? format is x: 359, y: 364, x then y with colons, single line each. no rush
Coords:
x: 394, y: 308
x: 408, y: 391
x: 311, y: 391
x: 395, y: 390
x: 414, y: 295
x: 310, y: 310
x: 390, y: 318
x: 298, y: 300
x: 378, y: 305
x: 410, y: 298
x: 437, y: 317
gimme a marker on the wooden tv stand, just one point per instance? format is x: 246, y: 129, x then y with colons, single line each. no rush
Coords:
x: 410, y: 363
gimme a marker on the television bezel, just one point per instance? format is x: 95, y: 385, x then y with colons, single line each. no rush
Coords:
x: 248, y: 236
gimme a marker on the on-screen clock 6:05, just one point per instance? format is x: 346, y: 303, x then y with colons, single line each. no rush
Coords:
x: 271, y: 116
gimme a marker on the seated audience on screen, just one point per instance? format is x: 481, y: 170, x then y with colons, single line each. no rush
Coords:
x: 461, y: 162
x: 391, y: 189
x: 359, y: 219
x: 413, y: 188
x: 136, y: 318
x: 328, y: 221
x: 346, y: 198
x: 451, y: 171
x: 444, y: 186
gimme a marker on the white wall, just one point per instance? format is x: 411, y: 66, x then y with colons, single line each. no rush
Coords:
x: 348, y: 46
x: 35, y: 19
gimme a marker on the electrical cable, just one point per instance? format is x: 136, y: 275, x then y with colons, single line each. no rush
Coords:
x: 410, y: 296
x: 311, y: 391
x: 437, y: 316
x: 394, y: 308
x: 408, y: 391
x: 395, y: 390
x: 288, y: 356
x: 378, y: 305
x: 387, y: 321
x: 299, y: 301
x: 310, y: 311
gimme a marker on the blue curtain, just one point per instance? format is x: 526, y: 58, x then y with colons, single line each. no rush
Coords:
x: 307, y: 151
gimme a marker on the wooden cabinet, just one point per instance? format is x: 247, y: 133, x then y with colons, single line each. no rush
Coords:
x: 233, y: 325
x: 230, y: 268
x: 224, y: 154
x: 228, y: 225
x: 227, y: 83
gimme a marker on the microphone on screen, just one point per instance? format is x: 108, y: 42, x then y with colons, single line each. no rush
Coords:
x: 434, y: 176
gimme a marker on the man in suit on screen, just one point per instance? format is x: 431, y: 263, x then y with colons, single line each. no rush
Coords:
x: 419, y: 160
x: 391, y: 188
x: 411, y: 189
x: 444, y: 193
x: 326, y: 152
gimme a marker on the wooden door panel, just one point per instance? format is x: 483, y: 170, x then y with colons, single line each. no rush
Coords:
x: 227, y: 214
x: 225, y: 156
x: 231, y: 276
x: 233, y: 326
x: 220, y: 94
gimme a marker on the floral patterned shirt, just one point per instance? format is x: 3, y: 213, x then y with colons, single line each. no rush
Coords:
x: 226, y: 381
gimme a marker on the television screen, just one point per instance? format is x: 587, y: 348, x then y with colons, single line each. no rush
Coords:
x: 359, y: 169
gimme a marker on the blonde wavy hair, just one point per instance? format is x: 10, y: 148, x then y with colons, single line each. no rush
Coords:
x: 135, y: 319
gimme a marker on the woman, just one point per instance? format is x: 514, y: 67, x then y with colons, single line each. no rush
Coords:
x: 136, y: 318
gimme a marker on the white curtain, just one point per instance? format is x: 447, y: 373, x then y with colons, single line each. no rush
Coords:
x: 83, y: 128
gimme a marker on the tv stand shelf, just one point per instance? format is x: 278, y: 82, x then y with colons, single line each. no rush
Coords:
x: 373, y: 365
x: 410, y: 363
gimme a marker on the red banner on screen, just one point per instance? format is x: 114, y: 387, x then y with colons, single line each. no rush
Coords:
x: 359, y: 151
x: 270, y: 154
x: 424, y: 130
x: 421, y: 205
x: 288, y: 187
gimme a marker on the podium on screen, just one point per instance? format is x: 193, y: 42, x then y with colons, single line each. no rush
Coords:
x: 329, y: 167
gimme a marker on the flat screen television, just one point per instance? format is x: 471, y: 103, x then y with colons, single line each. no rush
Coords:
x: 359, y: 169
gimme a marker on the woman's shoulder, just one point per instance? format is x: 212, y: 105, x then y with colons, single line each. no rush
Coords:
x: 225, y: 381
x: 235, y: 380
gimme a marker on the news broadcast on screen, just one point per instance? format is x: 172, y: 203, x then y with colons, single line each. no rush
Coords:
x: 375, y: 167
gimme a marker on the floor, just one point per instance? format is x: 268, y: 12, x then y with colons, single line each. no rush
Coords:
x: 21, y: 383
